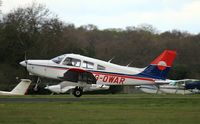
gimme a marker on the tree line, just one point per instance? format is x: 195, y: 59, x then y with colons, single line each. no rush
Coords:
x: 40, y: 34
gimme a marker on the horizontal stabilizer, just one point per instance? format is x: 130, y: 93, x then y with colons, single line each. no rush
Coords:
x: 22, y: 87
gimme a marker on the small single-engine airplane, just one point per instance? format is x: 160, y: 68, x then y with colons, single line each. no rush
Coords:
x: 20, y: 89
x: 79, y: 72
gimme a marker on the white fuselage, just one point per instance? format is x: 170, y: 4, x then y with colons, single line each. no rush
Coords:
x: 106, y: 73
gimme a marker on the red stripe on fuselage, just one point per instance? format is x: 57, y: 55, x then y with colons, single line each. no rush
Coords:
x: 124, y: 76
x: 104, y: 73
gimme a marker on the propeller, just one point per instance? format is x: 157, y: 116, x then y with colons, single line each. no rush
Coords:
x: 25, y: 59
x: 25, y: 62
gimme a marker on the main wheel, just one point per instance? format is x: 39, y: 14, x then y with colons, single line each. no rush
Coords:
x: 77, y: 92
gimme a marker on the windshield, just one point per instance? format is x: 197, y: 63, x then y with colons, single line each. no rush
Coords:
x: 58, y: 59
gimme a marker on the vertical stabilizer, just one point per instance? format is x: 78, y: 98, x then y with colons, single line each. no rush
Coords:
x: 160, y: 67
x: 22, y: 87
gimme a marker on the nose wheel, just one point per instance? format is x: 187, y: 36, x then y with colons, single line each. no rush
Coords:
x: 77, y: 92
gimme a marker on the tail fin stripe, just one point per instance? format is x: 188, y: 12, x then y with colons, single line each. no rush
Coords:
x: 160, y: 67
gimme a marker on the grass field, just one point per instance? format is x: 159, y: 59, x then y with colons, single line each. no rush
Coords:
x: 104, y: 109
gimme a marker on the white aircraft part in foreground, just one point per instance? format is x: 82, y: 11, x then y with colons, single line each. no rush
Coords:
x: 66, y: 86
x: 20, y: 89
x: 82, y: 72
x: 170, y: 87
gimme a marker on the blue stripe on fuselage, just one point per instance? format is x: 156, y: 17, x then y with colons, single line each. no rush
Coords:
x: 152, y: 71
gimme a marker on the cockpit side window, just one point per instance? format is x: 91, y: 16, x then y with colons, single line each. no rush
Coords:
x: 58, y: 59
x: 100, y: 67
x: 88, y: 65
x: 72, y: 62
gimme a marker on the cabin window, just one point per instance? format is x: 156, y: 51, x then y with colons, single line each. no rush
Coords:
x: 100, y: 67
x: 58, y: 59
x: 72, y: 62
x: 88, y: 65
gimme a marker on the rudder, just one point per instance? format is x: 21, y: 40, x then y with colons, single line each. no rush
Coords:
x: 160, y: 67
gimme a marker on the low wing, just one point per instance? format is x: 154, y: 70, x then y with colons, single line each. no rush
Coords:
x: 76, y: 75
x: 59, y: 88
x: 67, y: 88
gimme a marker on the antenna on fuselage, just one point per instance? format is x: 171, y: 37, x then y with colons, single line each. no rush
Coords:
x: 129, y: 63
x: 111, y: 59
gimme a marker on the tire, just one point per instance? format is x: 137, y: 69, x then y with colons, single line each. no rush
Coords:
x: 77, y: 92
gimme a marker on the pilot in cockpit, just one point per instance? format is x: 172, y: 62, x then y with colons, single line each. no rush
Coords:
x: 68, y: 61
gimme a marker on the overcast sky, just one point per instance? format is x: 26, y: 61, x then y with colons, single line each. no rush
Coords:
x: 162, y: 14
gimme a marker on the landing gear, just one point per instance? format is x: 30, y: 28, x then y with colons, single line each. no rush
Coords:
x: 157, y: 89
x: 77, y: 92
x: 36, y: 85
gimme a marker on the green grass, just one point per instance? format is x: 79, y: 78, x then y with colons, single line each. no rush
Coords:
x: 104, y: 109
